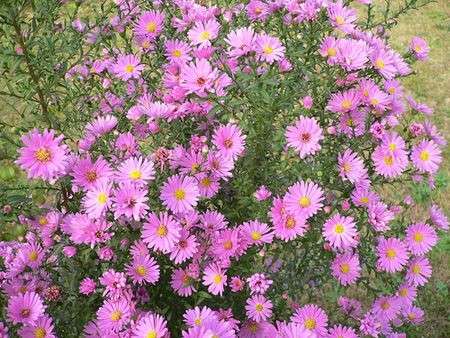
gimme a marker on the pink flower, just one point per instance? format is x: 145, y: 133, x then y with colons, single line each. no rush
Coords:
x: 258, y: 283
x: 269, y: 48
x: 344, y: 101
x: 113, y: 315
x: 136, y: 170
x: 215, y: 279
x: 383, y: 61
x: 258, y: 308
x: 426, y: 156
x: 304, y: 198
x: 262, y: 193
x: 229, y: 140
x: 42, y: 327
x: 345, y: 268
x: 419, y: 48
x: 42, y: 155
x: 311, y: 318
x: 257, y: 233
x: 149, y: 24
x: 87, y: 173
x: 236, y: 284
x: 180, y: 193
x: 130, y: 201
x: 304, y: 136
x: 161, y: 232
x: 204, y: 32
x: 143, y: 269
x: 386, y: 308
x: 241, y: 41
x: 199, y: 316
x: 340, y: 231
x: 128, y: 67
x: 392, y: 254
x: 150, y: 325
x: 341, y: 17
x: 182, y: 283
x: 419, y: 271
x: 25, y: 308
x: 87, y: 286
x: 420, y: 238
x: 198, y: 77
x: 351, y: 166
x: 97, y: 200
x: 339, y: 331
x: 178, y: 51
x: 185, y: 248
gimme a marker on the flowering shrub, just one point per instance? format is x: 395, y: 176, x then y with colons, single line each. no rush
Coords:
x: 214, y: 164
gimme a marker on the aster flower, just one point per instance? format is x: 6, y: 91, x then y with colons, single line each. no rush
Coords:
x: 130, y: 201
x: 97, y: 200
x: 114, y: 283
x: 383, y: 61
x: 262, y: 193
x: 304, y: 136
x: 215, y: 279
x: 406, y: 294
x: 149, y: 24
x: 389, y: 163
x: 353, y: 123
x: 351, y: 166
x: 392, y: 254
x: 143, y: 269
x: 128, y: 67
x: 363, y: 197
x: 101, y: 125
x: 87, y: 173
x: 229, y: 140
x: 374, y: 96
x: 208, y: 185
x: 150, y: 325
x: 257, y: 10
x: 340, y: 232
x: 269, y: 48
x: 136, y: 170
x: 220, y: 328
x: 257, y: 233
x: 198, y: 316
x: 204, y: 32
x: 185, y: 248
x: 42, y: 328
x: 161, y: 232
x: 438, y: 218
x: 226, y: 243
x: 293, y: 330
x: 177, y: 51
x: 25, y: 308
x: 413, y: 314
x: 258, y: 283
x: 312, y: 318
x: 345, y: 101
x: 198, y: 77
x: 386, y: 308
x: 87, y: 286
x: 419, y: 271
x: 113, y: 315
x: 258, y: 308
x: 419, y: 48
x: 304, y: 198
x: 180, y: 193
x: 426, y: 156
x: 345, y: 268
x: 339, y: 331
x: 84, y: 230
x: 341, y: 17
x: 240, y: 41
x: 380, y: 216
x: 420, y: 238
x: 182, y: 283
x: 43, y: 156
x: 31, y: 255
x: 328, y: 49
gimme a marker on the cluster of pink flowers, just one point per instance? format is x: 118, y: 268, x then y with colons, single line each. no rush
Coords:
x: 147, y: 217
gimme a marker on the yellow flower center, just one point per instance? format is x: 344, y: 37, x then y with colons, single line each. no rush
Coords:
x: 391, y: 90
x: 392, y: 146
x: 40, y: 332
x: 151, y: 334
x: 267, y: 49
x: 388, y: 160
x: 259, y: 307
x: 345, y: 268
x: 418, y: 237
x: 135, y: 174
x: 204, y: 36
x: 331, y: 51
x: 374, y: 102
x: 253, y: 327
x: 417, y: 48
x: 256, y: 235
x: 206, y: 182
x: 102, y: 198
x: 310, y: 324
x: 347, y: 167
x: 379, y: 63
x: 228, y: 245
x: 129, y: 68
x: 350, y: 122
x: 346, y: 104
x: 43, y: 220
x: 340, y: 20
x: 176, y: 53
x: 151, y: 27
x: 403, y: 292
x: 390, y: 253
x: 91, y: 176
x: 42, y: 155
x: 385, y: 305
x: 290, y: 223
x: 116, y: 315
x: 33, y: 256
x: 364, y: 200
x: 339, y: 228
x: 411, y: 316
x: 217, y: 279
x: 425, y: 155
x: 161, y: 231
x: 416, y: 269
x: 304, y: 202
x: 180, y: 194
x: 141, y: 271
x: 198, y: 321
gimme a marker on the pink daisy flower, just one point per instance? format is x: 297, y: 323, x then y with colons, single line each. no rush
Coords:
x: 304, y: 198
x: 43, y: 156
x: 114, y: 283
x: 87, y: 174
x: 42, y: 328
x: 257, y: 233
x: 236, y: 284
x: 351, y: 166
x: 101, y: 125
x: 149, y: 24
x: 339, y: 331
x: 304, y: 136
x: 226, y: 243
x: 182, y: 283
x: 97, y: 200
x: 130, y: 201
x: 419, y: 271
x: 208, y: 185
x: 215, y: 279
x: 113, y: 315
x: 341, y: 17
x: 345, y: 101
x: 389, y: 163
x: 392, y: 254
x: 383, y: 62
x: 87, y: 286
x: 257, y: 10
x: 150, y: 326
x: 25, y: 308
x: 180, y: 193
x: 143, y: 270
x: 380, y: 216
x: 31, y: 255
x: 240, y: 41
x: 419, y: 48
x: 229, y: 140
x: 259, y: 283
x: 426, y: 156
x: 413, y: 314
x: 328, y: 49
x: 128, y: 67
x: 438, y: 218
x: 136, y: 170
x: 204, y: 32
x: 258, y: 308
x: 345, y: 268
x: 185, y: 248
x: 161, y: 232
x: 386, y: 308
x: 268, y: 48
x: 262, y: 193
x: 374, y: 96
x: 340, y: 232
x: 312, y: 318
x: 406, y: 294
x: 198, y: 316
x: 177, y: 51
x: 198, y: 77
x: 420, y: 238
